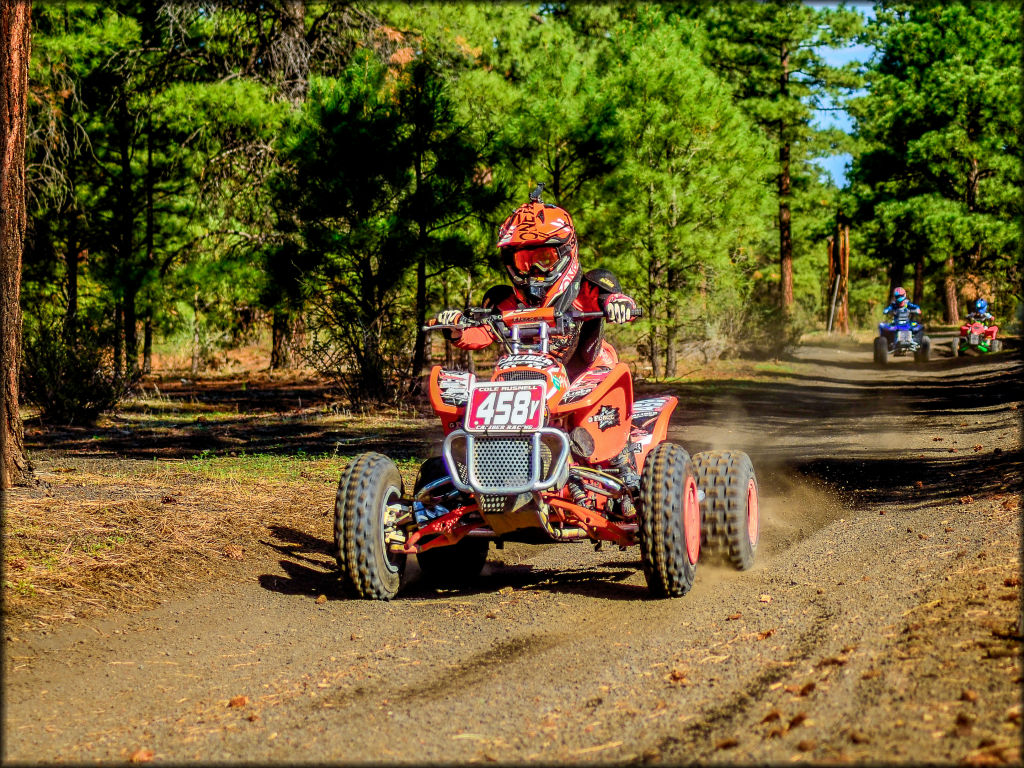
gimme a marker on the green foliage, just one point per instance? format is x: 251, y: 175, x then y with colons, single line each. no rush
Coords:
x: 193, y: 167
x: 683, y: 203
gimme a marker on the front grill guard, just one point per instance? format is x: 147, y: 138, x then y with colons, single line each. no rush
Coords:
x: 556, y: 471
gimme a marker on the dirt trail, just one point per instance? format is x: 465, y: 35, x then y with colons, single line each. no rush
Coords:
x: 881, y: 622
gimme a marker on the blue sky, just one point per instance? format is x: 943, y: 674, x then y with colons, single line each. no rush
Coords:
x: 837, y: 57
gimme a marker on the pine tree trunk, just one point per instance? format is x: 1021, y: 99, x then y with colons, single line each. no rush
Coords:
x: 785, y: 189
x: 419, y: 350
x: 280, y: 329
x: 118, y: 340
x: 195, y: 333
x: 671, y: 329
x: 147, y: 342
x: 949, y: 291
x: 131, y: 333
x: 919, y: 278
x: 15, y: 42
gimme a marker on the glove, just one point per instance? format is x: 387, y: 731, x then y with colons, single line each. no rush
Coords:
x: 618, y: 308
x: 448, y: 317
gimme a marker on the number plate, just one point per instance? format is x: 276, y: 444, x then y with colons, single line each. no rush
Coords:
x: 973, y: 339
x: 505, y: 407
x: 904, y: 336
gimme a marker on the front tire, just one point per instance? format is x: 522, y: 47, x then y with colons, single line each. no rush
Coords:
x: 955, y: 346
x: 924, y: 352
x: 730, y: 520
x: 362, y: 522
x: 669, y: 521
x: 996, y: 345
x: 453, y: 565
x: 881, y: 350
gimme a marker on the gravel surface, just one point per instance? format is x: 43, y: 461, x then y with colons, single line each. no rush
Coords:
x: 880, y: 623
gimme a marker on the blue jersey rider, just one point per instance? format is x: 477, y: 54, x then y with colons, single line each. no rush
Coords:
x: 901, y: 309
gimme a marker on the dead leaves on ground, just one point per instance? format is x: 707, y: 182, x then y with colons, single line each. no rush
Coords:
x: 141, y: 755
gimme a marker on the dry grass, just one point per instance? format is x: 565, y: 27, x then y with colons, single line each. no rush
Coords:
x: 108, y: 535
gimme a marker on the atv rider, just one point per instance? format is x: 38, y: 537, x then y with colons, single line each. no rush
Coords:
x: 538, y: 248
x: 981, y: 314
x: 901, y: 309
x: 539, y: 251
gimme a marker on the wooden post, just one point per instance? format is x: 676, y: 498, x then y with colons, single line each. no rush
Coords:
x: 830, y: 296
x: 844, y: 278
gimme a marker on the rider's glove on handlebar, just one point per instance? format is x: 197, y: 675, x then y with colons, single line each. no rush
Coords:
x: 618, y: 308
x: 450, y: 317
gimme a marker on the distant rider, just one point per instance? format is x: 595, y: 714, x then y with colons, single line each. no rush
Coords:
x: 901, y: 309
x: 981, y: 314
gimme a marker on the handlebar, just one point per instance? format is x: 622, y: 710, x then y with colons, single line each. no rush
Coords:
x: 482, y: 316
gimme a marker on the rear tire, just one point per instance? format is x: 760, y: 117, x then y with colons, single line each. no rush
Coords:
x: 453, y: 565
x: 730, y: 520
x: 924, y: 352
x: 361, y: 524
x: 881, y: 350
x: 669, y: 521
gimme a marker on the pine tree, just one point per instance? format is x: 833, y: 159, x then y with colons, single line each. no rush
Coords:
x: 940, y: 179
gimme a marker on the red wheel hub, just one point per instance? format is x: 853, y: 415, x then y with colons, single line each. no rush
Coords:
x: 753, y: 517
x: 691, y: 520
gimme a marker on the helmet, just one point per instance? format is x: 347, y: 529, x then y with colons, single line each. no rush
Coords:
x: 899, y: 298
x: 538, y: 248
x: 981, y: 306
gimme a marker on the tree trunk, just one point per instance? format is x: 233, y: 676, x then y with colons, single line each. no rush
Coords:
x: 280, y: 330
x: 147, y: 342
x: 671, y: 329
x: 919, y: 277
x: 949, y: 289
x: 15, y: 42
x: 118, y: 340
x: 896, y: 270
x: 419, y: 350
x: 131, y: 332
x: 71, y: 265
x: 290, y: 52
x: 785, y: 189
x: 195, y: 332
x: 126, y: 237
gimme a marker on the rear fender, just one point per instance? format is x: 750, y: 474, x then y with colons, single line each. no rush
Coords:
x: 601, y: 406
x: 449, y: 394
x: 650, y: 425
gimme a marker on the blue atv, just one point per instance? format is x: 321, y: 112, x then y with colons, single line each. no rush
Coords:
x: 898, y: 339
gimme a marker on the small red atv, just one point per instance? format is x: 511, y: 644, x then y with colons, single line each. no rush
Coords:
x: 529, y: 456
x: 977, y: 336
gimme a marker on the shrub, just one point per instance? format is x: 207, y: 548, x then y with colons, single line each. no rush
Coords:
x: 72, y: 382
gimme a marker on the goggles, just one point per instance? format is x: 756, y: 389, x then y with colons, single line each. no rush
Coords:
x: 535, y: 260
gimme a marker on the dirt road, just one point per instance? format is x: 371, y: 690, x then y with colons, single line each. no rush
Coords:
x: 881, y: 622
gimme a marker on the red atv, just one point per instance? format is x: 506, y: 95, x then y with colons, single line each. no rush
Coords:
x: 529, y: 456
x: 977, y: 336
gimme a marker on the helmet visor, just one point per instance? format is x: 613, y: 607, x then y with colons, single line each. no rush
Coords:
x: 535, y: 260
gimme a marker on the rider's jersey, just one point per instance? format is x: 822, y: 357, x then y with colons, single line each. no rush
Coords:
x: 901, y: 314
x: 981, y: 317
x: 578, y: 348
